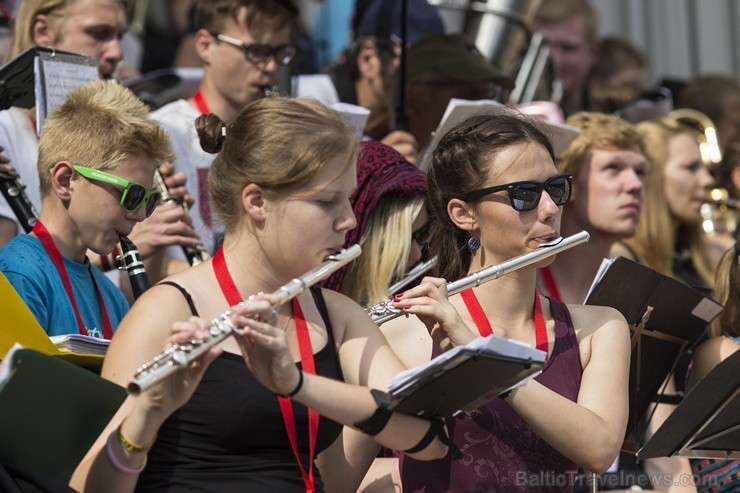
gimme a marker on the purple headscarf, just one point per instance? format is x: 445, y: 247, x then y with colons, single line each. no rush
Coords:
x: 381, y: 172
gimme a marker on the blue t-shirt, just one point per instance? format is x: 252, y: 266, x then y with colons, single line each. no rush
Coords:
x: 30, y: 270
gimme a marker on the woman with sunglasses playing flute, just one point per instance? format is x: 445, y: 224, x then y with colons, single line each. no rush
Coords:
x: 495, y: 194
x: 97, y: 157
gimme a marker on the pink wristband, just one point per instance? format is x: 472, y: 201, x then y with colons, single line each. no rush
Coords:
x: 114, y: 460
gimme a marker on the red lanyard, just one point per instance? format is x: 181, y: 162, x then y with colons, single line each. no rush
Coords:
x: 32, y: 119
x: 549, y: 280
x: 200, y: 103
x: 51, y: 249
x: 231, y: 293
x: 484, y: 326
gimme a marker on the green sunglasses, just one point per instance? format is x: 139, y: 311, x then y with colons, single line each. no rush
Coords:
x: 134, y: 194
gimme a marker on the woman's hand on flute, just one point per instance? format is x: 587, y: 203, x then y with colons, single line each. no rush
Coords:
x: 172, y: 392
x: 429, y: 302
x: 264, y: 345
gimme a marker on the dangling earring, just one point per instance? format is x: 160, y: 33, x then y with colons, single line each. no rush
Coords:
x: 473, y: 243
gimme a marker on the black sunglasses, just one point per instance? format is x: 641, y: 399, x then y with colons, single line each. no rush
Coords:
x: 259, y: 53
x: 525, y: 195
x: 421, y: 235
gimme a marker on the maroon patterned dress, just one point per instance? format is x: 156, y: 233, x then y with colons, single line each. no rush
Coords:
x: 501, y: 452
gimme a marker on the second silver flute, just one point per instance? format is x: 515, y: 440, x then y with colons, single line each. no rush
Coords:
x: 175, y: 357
x: 384, y: 311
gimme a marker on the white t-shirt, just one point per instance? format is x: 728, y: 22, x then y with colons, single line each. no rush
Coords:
x: 178, y: 120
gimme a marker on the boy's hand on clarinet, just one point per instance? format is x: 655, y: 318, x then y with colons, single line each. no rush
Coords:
x: 264, y: 346
x: 5, y: 166
x: 429, y: 302
x: 176, y: 184
x: 168, y: 225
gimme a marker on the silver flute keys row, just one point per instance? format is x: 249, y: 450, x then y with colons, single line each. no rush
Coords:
x: 178, y: 356
x: 413, y: 275
x: 195, y: 254
x: 384, y: 311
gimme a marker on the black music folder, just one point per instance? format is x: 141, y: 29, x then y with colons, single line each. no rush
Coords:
x: 666, y: 317
x: 707, y: 422
x: 159, y: 87
x: 17, y: 80
x: 465, y: 377
x: 42, y: 78
x: 51, y: 412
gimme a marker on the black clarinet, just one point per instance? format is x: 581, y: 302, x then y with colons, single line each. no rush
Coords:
x: 14, y: 191
x: 195, y: 254
x: 131, y: 261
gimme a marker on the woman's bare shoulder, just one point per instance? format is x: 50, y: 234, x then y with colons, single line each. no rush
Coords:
x: 620, y: 249
x: 594, y: 317
x: 709, y: 354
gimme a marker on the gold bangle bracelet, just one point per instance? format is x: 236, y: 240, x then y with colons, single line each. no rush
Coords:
x: 130, y: 446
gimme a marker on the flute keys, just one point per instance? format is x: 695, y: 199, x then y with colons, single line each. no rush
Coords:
x: 382, y: 309
x: 180, y: 358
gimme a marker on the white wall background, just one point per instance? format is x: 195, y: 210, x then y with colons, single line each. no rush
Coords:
x: 681, y: 38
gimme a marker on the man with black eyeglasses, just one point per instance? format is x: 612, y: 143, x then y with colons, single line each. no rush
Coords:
x: 242, y: 45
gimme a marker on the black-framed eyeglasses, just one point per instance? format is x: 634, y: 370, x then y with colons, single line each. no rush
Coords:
x: 259, y: 53
x: 525, y: 195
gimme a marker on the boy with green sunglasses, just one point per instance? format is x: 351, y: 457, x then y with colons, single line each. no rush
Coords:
x: 86, y: 207
x: 134, y: 194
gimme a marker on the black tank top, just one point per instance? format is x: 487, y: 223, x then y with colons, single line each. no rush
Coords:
x: 230, y: 436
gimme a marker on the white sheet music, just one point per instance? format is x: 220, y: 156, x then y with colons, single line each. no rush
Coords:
x: 6, y: 366
x: 605, y: 264
x: 457, y: 111
x: 82, y: 344
x: 57, y: 75
x: 354, y: 116
x: 492, y: 344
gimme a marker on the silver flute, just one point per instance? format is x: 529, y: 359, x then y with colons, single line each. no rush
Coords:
x: 194, y: 254
x: 413, y: 275
x: 179, y: 356
x: 385, y: 311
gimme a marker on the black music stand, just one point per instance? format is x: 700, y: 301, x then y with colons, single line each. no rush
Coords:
x: 17, y: 80
x: 666, y: 317
x: 707, y: 422
x: 464, y: 377
x: 162, y: 86
x: 17, y: 76
x: 51, y: 412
